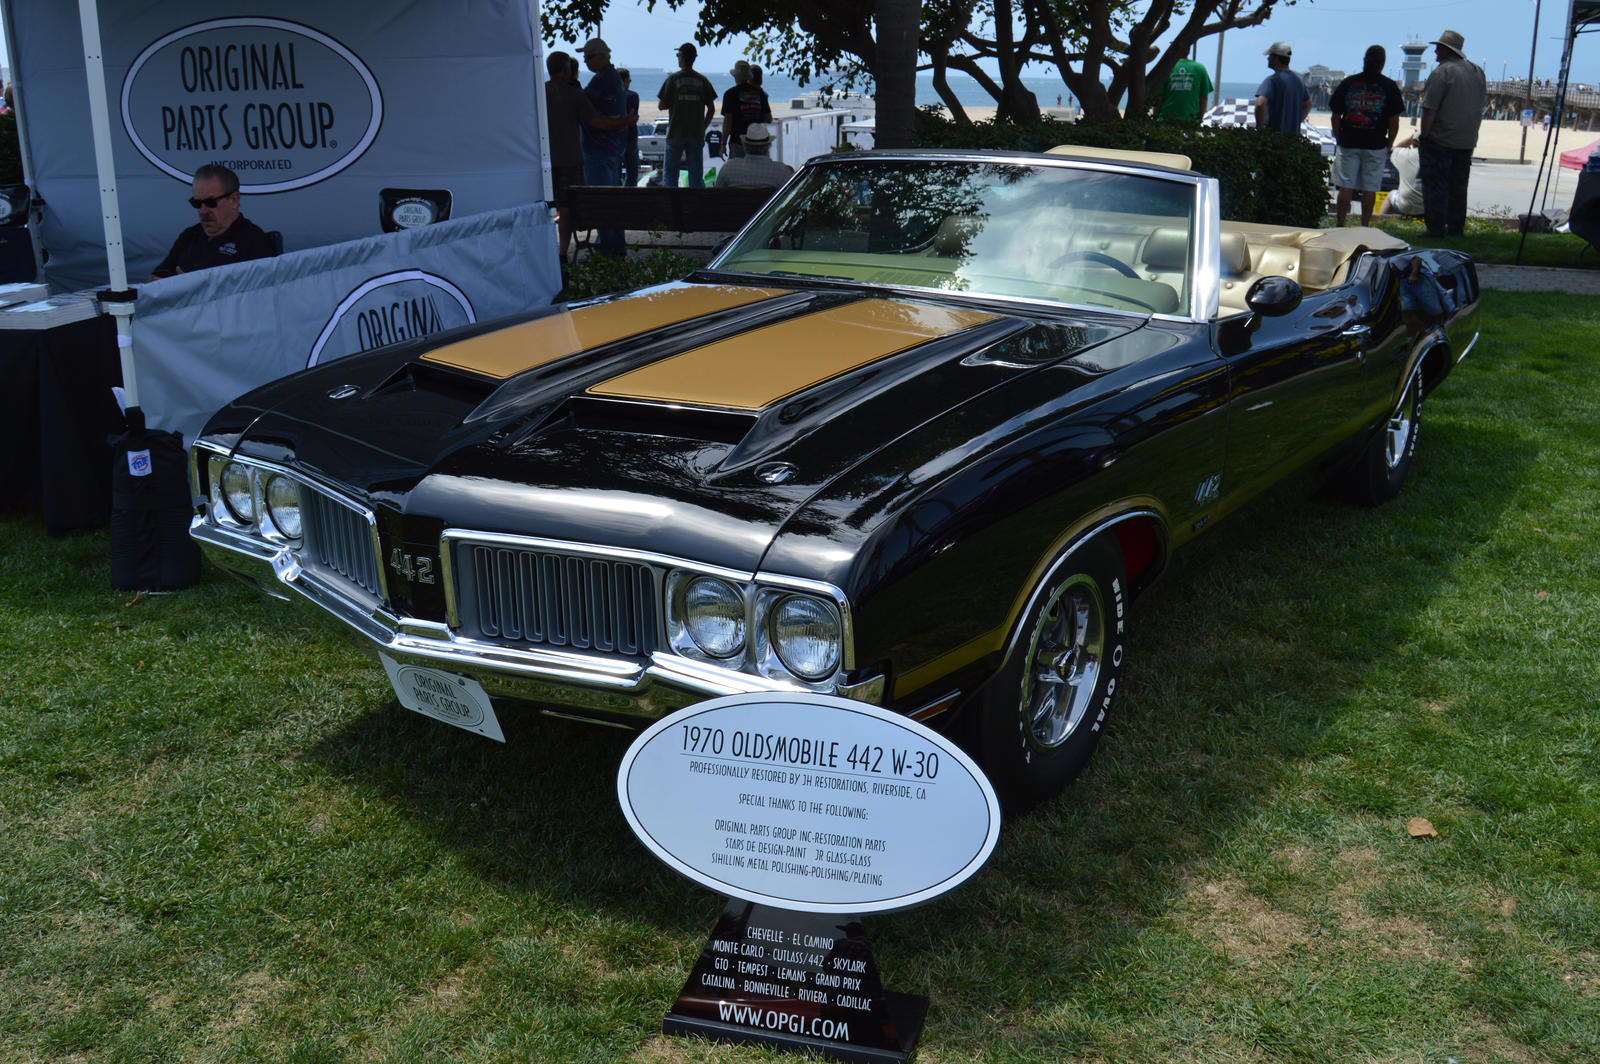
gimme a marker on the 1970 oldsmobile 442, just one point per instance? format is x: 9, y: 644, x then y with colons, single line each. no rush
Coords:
x: 918, y: 436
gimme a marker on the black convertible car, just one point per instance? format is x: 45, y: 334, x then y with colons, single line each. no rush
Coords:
x: 918, y: 436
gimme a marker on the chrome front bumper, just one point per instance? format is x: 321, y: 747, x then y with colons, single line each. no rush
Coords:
x: 592, y: 687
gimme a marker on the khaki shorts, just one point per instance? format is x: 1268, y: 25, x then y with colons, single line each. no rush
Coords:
x: 1360, y: 169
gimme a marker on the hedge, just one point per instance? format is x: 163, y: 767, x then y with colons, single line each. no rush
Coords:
x: 1295, y: 194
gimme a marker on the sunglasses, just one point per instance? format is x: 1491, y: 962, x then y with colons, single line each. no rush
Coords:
x: 209, y: 201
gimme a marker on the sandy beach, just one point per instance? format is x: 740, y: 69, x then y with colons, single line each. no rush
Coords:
x: 1499, y: 140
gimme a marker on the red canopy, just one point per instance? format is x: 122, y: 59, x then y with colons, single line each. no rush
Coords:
x: 1574, y: 159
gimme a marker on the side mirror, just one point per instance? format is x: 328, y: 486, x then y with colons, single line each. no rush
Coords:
x: 1273, y: 297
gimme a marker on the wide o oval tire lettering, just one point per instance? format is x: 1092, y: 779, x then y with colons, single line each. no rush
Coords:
x: 1040, y: 718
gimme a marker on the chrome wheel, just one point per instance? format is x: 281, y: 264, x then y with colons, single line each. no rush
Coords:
x: 1064, y: 661
x: 1402, y: 428
x: 1040, y: 720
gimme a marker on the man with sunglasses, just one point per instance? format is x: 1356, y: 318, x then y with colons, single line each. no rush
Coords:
x: 222, y: 235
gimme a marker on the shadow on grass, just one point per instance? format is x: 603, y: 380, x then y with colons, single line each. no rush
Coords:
x: 1240, y: 660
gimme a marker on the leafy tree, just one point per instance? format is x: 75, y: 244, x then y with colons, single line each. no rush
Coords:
x: 988, y: 40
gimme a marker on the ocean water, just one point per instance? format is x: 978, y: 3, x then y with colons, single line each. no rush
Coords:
x: 780, y: 89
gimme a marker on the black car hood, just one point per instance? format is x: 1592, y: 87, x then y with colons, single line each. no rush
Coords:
x: 661, y: 420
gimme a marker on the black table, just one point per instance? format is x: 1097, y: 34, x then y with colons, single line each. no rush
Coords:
x: 57, y: 415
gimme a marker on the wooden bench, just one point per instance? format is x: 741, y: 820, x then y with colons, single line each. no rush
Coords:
x: 664, y: 210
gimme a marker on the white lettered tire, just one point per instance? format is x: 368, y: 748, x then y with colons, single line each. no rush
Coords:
x: 1042, y: 715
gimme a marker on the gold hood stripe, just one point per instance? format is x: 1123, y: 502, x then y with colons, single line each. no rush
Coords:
x: 759, y: 368
x: 507, y: 352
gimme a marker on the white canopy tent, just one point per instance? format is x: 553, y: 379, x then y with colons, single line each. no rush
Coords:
x: 315, y: 110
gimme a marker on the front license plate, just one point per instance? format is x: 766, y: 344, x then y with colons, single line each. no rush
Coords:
x: 458, y: 700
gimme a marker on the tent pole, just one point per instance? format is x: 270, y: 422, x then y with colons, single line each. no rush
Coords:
x: 35, y: 203
x: 545, y: 183
x: 539, y: 116
x: 120, y: 298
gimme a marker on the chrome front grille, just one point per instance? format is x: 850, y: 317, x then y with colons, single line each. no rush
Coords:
x: 339, y: 538
x: 547, y: 598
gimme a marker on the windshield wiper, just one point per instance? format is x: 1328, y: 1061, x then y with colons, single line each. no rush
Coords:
x: 808, y: 276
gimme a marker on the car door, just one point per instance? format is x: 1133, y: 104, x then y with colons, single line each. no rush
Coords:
x: 1305, y: 383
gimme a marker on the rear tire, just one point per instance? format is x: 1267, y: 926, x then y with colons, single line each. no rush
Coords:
x: 1041, y: 716
x: 1381, y: 471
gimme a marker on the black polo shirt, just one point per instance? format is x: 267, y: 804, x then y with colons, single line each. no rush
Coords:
x: 193, y: 250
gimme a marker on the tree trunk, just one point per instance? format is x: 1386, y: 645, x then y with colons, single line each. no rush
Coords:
x: 899, y: 24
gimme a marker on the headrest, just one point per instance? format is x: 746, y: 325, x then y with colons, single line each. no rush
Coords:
x: 956, y: 234
x: 1167, y: 249
x: 1235, y: 254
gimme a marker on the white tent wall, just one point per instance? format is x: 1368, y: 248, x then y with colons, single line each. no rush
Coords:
x: 317, y: 106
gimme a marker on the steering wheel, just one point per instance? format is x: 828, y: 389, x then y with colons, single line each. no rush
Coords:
x: 1100, y: 258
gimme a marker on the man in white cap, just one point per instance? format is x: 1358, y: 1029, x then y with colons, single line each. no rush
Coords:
x: 755, y: 168
x: 1452, y: 109
x: 1282, y: 101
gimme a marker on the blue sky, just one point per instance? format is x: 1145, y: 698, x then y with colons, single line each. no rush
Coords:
x: 1334, y: 33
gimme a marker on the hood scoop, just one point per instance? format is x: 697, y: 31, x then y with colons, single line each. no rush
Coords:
x: 432, y: 379
x: 590, y: 414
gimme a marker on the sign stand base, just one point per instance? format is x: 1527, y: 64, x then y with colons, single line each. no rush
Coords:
x: 801, y: 981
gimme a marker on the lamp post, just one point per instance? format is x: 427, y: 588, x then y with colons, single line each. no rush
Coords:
x: 1522, y: 156
x: 1218, y: 98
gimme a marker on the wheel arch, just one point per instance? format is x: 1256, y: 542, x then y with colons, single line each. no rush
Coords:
x: 1141, y: 536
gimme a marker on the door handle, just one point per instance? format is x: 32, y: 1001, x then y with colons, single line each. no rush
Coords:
x: 1357, y: 332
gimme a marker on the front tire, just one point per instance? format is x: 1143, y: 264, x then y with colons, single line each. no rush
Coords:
x: 1041, y: 716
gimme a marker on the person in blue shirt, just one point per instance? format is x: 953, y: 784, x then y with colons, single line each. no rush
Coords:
x: 1282, y: 100
x: 603, y: 148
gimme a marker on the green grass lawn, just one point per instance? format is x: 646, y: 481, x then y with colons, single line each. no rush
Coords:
x: 222, y: 840
x: 1489, y: 240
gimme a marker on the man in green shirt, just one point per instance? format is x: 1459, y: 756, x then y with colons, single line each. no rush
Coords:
x: 1183, y: 97
x: 690, y: 102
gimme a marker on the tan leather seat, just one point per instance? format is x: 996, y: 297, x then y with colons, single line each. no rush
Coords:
x: 956, y: 234
x: 1165, y: 256
x: 1235, y: 274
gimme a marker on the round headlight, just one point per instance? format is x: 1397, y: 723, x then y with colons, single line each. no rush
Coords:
x: 283, y: 505
x: 805, y: 633
x: 713, y: 615
x: 237, y: 494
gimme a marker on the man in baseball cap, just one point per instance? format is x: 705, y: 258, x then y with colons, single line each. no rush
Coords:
x: 689, y: 99
x: 1452, y: 108
x: 603, y: 148
x: 1282, y: 100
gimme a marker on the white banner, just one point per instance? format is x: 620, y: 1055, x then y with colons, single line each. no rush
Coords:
x: 201, y: 339
x: 316, y: 107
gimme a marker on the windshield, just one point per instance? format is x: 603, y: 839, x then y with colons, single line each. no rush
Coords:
x: 1034, y: 231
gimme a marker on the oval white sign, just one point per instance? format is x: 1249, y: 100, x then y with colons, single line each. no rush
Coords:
x: 809, y: 802
x: 279, y: 103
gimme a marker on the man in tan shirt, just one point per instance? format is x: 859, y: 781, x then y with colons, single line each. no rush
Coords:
x: 1452, y: 109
